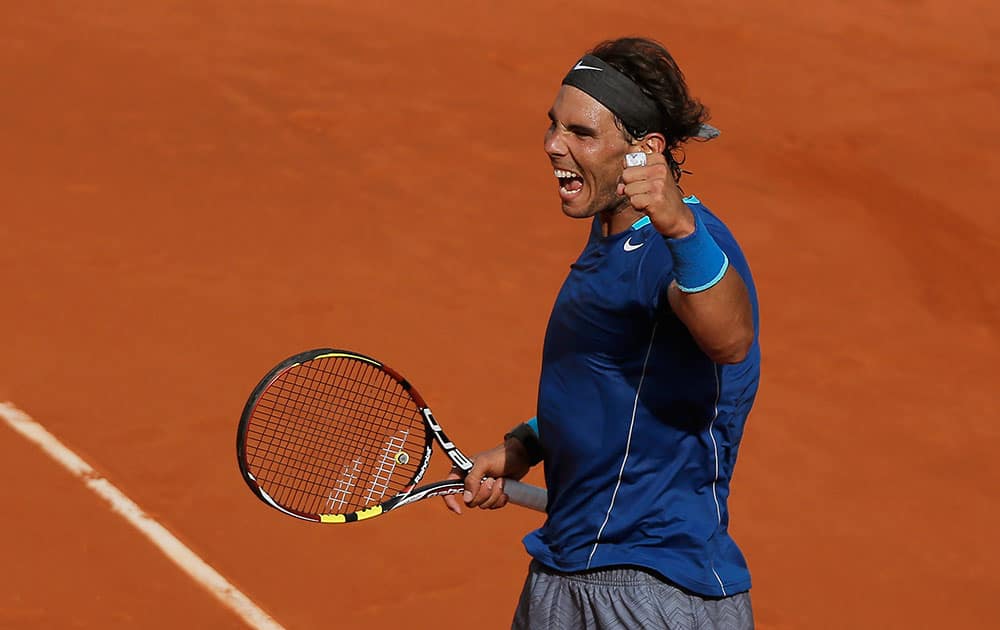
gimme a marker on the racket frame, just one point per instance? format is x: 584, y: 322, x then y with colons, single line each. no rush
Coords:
x: 409, y: 494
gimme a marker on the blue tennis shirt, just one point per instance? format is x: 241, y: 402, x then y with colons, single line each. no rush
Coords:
x: 641, y: 429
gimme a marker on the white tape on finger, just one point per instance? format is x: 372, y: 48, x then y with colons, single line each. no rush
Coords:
x: 635, y: 159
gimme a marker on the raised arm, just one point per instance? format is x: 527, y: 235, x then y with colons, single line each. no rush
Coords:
x: 708, y: 295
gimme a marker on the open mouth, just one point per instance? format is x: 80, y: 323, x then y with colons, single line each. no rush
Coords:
x: 570, y: 183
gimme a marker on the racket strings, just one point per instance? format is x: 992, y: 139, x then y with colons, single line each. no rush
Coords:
x: 303, y: 439
x: 335, y: 435
x: 293, y: 474
x: 291, y: 397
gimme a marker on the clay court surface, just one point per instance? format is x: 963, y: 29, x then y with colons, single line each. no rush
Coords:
x: 192, y: 191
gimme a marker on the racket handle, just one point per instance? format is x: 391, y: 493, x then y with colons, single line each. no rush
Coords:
x: 526, y: 495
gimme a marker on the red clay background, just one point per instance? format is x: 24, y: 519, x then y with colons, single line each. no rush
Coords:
x: 191, y: 192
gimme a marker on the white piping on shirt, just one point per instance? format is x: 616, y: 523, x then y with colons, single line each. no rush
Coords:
x: 715, y: 449
x: 628, y: 445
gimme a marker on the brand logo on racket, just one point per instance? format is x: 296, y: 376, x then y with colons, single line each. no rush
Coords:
x: 432, y: 423
x: 450, y: 449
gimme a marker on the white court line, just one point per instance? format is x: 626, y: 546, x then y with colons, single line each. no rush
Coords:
x: 174, y: 549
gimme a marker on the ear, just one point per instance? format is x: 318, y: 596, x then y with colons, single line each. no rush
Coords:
x: 653, y: 143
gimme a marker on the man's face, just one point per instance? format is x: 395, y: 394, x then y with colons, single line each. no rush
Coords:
x: 587, y: 150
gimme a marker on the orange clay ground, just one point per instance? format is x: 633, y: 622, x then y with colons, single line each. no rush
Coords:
x: 191, y: 191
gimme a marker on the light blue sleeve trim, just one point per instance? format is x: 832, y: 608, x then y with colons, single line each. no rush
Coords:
x: 533, y: 423
x: 708, y: 285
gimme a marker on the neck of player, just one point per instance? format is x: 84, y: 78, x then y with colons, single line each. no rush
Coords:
x: 619, y: 219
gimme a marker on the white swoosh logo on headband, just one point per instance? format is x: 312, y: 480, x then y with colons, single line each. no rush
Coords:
x: 579, y: 66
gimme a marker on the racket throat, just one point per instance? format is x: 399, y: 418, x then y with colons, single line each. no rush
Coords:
x: 456, y: 456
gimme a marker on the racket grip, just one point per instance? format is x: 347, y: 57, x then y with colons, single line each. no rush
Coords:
x: 526, y: 495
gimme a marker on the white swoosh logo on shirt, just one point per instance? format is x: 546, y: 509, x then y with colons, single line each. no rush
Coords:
x: 629, y: 247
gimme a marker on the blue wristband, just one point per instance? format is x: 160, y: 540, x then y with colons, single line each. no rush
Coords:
x: 533, y: 423
x: 699, y: 263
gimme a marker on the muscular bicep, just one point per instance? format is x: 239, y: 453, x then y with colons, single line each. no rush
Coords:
x: 720, y: 319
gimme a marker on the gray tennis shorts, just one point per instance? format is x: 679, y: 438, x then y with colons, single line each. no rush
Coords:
x: 621, y: 598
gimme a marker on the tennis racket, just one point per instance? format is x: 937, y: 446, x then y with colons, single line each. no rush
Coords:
x: 333, y: 436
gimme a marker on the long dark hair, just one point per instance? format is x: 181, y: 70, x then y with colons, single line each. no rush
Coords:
x: 654, y: 70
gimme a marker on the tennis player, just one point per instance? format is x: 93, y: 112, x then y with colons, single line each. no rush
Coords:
x: 649, y: 369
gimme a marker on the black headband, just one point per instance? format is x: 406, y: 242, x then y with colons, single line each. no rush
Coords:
x: 617, y: 92
x: 620, y: 94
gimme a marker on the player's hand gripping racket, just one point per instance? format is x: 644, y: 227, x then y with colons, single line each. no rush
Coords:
x: 333, y: 436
